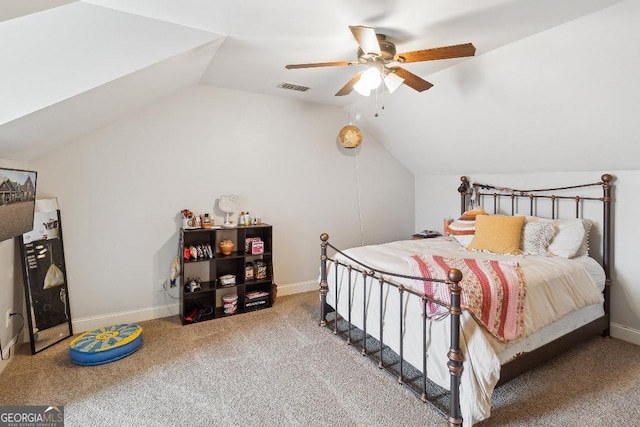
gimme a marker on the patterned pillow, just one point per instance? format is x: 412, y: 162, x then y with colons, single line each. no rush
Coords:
x: 536, y: 237
x: 464, y: 228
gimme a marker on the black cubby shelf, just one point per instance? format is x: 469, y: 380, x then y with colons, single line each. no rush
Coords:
x: 206, y: 303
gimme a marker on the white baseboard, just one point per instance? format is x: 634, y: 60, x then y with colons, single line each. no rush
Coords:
x: 88, y: 323
x: 625, y: 333
x: 297, y: 288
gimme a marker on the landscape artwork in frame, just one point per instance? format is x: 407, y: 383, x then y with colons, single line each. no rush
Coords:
x: 17, y: 202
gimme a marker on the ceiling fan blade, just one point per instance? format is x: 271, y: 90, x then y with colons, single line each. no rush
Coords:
x: 445, y: 52
x: 348, y: 88
x: 411, y: 79
x: 366, y: 38
x: 319, y: 64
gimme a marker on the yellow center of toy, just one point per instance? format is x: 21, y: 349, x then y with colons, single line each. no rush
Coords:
x: 107, y: 335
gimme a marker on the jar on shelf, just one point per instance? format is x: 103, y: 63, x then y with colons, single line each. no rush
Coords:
x: 248, y: 271
x: 260, y: 270
x: 230, y: 303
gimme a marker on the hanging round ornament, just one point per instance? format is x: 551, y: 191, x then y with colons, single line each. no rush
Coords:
x: 350, y: 136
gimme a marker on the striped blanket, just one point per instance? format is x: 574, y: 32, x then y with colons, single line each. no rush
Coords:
x: 493, y: 291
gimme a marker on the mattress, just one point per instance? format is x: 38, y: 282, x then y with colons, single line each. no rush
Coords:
x: 562, y: 294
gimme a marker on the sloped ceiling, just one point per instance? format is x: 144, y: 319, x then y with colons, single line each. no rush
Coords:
x: 71, y: 69
x: 76, y: 67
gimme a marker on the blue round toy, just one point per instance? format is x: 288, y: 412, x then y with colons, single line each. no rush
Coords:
x: 106, y: 344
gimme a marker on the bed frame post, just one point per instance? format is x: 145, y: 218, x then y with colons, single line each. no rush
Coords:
x: 455, y: 355
x: 324, y: 287
x: 463, y: 189
x: 606, y: 248
x: 606, y: 244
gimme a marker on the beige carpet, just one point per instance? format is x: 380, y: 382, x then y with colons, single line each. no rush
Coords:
x: 277, y: 367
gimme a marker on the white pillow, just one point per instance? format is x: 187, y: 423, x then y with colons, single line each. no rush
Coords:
x: 571, y: 238
x: 584, y: 248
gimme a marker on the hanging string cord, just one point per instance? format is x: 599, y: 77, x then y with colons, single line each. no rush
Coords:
x: 357, y: 183
x: 358, y: 198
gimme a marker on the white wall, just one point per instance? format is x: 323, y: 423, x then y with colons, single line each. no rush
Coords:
x: 120, y: 191
x: 625, y: 269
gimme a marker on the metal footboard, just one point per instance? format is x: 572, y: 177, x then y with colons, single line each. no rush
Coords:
x: 370, y: 276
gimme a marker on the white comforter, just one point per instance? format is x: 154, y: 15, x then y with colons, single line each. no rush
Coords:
x: 555, y: 287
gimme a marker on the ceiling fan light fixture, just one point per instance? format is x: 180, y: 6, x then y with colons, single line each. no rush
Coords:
x: 369, y: 80
x: 361, y: 88
x: 392, y: 81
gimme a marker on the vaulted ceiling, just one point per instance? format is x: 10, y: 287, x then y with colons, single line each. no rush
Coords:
x: 72, y: 67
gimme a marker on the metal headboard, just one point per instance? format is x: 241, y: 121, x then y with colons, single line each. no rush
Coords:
x: 475, y: 194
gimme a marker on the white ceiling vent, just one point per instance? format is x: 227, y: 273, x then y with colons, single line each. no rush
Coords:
x: 291, y: 86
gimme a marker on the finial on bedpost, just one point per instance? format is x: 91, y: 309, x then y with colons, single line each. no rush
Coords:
x: 454, y: 277
x: 607, y: 178
x: 464, y: 184
x: 463, y: 189
x: 324, y: 287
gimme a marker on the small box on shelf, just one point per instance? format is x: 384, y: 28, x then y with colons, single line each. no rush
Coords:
x: 257, y: 299
x: 257, y: 247
x: 227, y: 280
x: 253, y: 245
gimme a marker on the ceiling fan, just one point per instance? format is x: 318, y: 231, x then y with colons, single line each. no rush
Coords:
x: 380, y: 57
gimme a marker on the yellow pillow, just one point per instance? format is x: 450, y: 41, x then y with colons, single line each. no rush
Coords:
x: 498, y: 234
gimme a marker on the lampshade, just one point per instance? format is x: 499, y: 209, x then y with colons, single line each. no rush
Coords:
x: 369, y: 80
x: 350, y: 136
x: 392, y: 81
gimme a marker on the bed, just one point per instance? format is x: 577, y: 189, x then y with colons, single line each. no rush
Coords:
x: 520, y: 277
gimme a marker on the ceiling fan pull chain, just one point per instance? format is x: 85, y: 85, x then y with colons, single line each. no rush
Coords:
x: 379, y: 89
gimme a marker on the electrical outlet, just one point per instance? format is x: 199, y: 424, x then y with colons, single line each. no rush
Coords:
x: 8, y: 317
x: 163, y: 284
